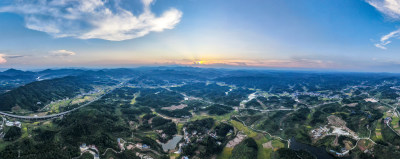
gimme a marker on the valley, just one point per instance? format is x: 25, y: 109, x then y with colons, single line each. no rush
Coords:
x: 203, y: 116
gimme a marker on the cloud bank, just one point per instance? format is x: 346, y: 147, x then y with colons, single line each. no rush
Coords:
x: 92, y: 19
x: 2, y: 58
x: 293, y: 62
x: 62, y: 53
x: 391, y: 9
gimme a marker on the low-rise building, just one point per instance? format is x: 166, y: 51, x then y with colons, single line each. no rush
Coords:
x: 387, y: 120
x: 16, y: 123
x: 83, y: 147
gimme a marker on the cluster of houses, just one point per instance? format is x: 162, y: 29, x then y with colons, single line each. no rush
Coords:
x: 343, y: 152
x: 199, y: 136
x: 319, y: 132
x: 121, y: 144
x: 180, y: 150
x: 143, y: 156
x: 373, y: 100
x: 15, y: 123
x: 1, y: 128
x: 395, y: 87
x: 91, y: 149
x: 387, y: 120
x: 316, y: 94
x: 91, y: 92
x: 142, y: 146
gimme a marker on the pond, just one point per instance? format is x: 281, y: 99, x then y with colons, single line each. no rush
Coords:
x: 171, y: 144
x: 318, y: 152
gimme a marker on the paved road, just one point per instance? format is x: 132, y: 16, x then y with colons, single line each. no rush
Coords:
x: 46, y: 116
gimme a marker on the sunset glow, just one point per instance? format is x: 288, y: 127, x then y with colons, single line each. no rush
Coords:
x: 265, y: 34
x: 199, y: 79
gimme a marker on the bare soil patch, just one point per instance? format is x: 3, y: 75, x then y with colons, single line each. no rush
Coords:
x: 175, y: 107
x: 239, y: 138
x: 336, y: 121
x: 268, y: 145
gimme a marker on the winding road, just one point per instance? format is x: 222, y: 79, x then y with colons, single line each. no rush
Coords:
x: 58, y: 114
x: 45, y: 116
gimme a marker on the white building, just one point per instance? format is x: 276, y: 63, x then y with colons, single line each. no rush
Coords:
x: 16, y: 123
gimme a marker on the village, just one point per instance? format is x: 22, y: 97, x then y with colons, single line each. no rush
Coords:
x: 122, y: 144
x: 8, y: 123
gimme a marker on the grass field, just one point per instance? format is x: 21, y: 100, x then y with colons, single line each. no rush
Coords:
x: 395, y: 122
x: 55, y: 108
x: 378, y: 131
x: 263, y: 153
x: 277, y: 144
x: 4, y: 144
x: 151, y: 135
x: 133, y: 101
x: 241, y: 127
x: 225, y: 117
x: 179, y: 128
x: 226, y: 153
x: 173, y: 156
x: 26, y: 130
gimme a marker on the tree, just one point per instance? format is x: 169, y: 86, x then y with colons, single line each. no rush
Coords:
x: 13, y: 133
x: 247, y: 149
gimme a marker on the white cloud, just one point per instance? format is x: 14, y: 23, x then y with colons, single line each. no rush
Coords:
x: 386, y: 39
x: 2, y: 58
x: 62, y: 53
x: 92, y: 19
x: 390, y: 8
x: 390, y: 35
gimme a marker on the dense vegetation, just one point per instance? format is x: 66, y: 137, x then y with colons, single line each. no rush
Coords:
x: 285, y: 153
x: 247, y: 149
x: 205, y: 145
x: 151, y: 105
x: 157, y: 98
x: 28, y: 96
x: 200, y: 126
x: 12, y: 133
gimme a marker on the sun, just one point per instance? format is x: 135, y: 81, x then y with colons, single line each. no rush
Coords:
x: 199, y: 62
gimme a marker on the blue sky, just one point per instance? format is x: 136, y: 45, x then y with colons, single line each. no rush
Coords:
x: 348, y: 35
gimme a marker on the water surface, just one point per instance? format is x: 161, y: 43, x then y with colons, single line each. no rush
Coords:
x: 171, y: 144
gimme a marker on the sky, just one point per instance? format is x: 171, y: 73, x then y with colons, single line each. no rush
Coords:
x: 344, y: 35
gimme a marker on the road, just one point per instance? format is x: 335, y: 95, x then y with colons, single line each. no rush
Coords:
x: 46, y: 116
x: 262, y: 131
x: 59, y: 114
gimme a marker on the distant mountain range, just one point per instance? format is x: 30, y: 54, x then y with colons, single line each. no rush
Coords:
x: 25, y: 88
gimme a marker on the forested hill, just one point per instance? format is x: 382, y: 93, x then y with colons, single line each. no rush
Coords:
x: 28, y: 96
x: 13, y: 78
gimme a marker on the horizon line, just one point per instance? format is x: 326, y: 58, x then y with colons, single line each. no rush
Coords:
x: 230, y: 67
